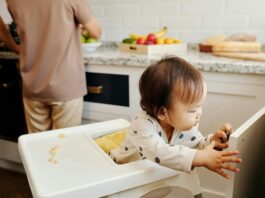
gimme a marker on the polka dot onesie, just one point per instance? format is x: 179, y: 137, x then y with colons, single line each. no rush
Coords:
x: 147, y: 140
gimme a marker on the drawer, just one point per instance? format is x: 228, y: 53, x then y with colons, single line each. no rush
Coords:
x: 9, y: 71
x: 12, y: 121
x: 9, y: 94
x: 108, y: 88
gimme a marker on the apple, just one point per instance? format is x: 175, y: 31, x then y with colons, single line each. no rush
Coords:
x: 149, y: 42
x: 151, y: 37
x: 140, y: 41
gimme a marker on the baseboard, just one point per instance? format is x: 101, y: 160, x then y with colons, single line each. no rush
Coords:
x: 9, y: 156
x: 212, y: 194
x: 13, y: 166
x: 9, y: 151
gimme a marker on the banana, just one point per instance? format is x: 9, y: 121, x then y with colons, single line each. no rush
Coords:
x: 161, y: 33
x: 136, y: 36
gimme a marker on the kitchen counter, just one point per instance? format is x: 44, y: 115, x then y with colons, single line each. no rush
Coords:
x: 203, y: 61
x: 108, y: 54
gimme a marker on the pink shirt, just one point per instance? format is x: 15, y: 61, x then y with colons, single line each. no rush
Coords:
x: 51, y: 60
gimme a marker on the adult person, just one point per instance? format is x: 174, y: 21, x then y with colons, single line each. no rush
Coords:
x: 6, y: 37
x: 51, y: 60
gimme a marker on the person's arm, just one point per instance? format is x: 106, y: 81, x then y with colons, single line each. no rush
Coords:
x: 216, y: 161
x: 144, y: 135
x: 6, y: 37
x: 93, y: 28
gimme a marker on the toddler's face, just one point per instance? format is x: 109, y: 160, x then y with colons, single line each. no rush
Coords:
x: 183, y: 117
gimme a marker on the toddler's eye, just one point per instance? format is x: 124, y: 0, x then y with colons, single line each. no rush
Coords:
x: 194, y: 109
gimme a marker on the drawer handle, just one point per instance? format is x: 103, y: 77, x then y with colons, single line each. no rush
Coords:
x: 133, y: 48
x: 95, y: 89
x: 5, y: 85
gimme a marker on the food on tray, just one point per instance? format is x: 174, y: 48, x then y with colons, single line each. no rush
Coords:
x: 61, y: 135
x: 152, y: 38
x: 129, y: 41
x: 111, y: 141
x: 54, y: 161
x: 159, y: 34
x: 53, y: 152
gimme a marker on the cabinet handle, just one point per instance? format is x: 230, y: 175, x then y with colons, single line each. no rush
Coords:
x: 95, y: 89
x: 5, y: 85
x: 133, y: 48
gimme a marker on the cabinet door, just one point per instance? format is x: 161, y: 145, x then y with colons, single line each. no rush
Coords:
x: 122, y: 85
x: 12, y: 121
x: 8, y: 71
x: 232, y: 98
x: 110, y: 89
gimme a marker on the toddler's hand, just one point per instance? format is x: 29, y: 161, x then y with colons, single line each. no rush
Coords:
x: 222, y: 136
x: 217, y: 160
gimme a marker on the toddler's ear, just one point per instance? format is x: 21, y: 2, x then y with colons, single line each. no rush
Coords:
x: 162, y: 113
x: 161, y: 117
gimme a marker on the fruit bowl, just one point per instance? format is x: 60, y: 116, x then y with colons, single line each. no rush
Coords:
x: 88, y: 47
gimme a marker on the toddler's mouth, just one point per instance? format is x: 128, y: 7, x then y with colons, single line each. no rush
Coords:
x: 197, y: 123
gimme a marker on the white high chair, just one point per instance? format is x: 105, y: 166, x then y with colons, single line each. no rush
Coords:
x: 67, y: 163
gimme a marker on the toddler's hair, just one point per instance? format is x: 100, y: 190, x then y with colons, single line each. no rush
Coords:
x: 158, y: 81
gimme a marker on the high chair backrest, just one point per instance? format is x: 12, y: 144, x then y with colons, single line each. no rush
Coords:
x: 112, y: 140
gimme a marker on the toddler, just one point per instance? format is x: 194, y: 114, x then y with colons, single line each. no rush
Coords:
x: 165, y: 131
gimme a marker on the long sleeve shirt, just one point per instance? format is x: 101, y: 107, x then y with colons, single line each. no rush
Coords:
x: 146, y: 139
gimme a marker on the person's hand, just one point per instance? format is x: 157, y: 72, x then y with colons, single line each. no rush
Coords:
x: 221, y: 136
x: 216, y: 161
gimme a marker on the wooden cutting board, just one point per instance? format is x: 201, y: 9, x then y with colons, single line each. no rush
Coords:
x: 244, y: 56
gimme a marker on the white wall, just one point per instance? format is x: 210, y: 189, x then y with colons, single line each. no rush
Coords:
x: 189, y: 20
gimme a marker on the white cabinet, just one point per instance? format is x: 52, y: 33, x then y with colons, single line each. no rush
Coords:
x: 231, y: 98
x: 100, y: 111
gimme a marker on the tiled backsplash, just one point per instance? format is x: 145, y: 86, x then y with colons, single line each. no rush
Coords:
x: 189, y: 20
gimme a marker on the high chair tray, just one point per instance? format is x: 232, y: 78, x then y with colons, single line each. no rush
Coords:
x: 67, y: 163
